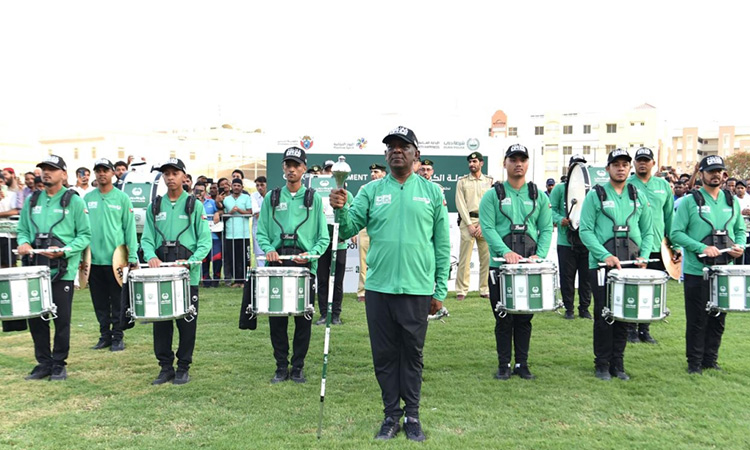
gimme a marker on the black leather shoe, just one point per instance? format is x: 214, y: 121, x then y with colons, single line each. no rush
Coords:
x: 503, y: 373
x: 181, y: 377
x: 619, y: 373
x: 298, y: 376
x: 713, y: 365
x: 166, y: 375
x: 569, y: 315
x: 603, y: 374
x: 39, y: 373
x: 645, y: 336
x: 280, y: 375
x: 103, y: 343
x: 633, y: 336
x: 413, y: 430
x: 59, y: 373
x: 336, y: 320
x: 117, y: 346
x: 321, y: 321
x: 585, y: 315
x: 388, y: 429
x: 694, y: 370
x: 523, y: 372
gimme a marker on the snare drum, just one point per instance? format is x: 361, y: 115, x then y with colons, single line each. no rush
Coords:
x: 160, y: 294
x: 25, y: 292
x: 636, y: 295
x: 281, y: 291
x: 729, y: 288
x: 528, y: 288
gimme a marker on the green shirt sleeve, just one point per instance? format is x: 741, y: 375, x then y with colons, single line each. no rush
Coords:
x: 148, y: 239
x: 680, y: 224
x: 668, y: 212
x: 264, y: 225
x: 353, y: 217
x: 23, y: 232
x: 558, y: 206
x: 488, y: 220
x: 590, y: 210
x: 128, y: 228
x: 83, y: 227
x: 544, y: 225
x: 442, y: 244
x: 740, y: 236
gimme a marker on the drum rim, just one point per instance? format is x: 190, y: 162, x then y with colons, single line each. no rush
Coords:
x: 277, y: 271
x: 16, y: 273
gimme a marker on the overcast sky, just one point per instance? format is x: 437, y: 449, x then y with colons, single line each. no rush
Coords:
x: 281, y: 65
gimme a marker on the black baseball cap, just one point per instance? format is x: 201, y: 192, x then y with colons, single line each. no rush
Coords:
x: 644, y: 153
x: 712, y: 162
x: 54, y: 161
x: 475, y: 155
x: 428, y: 162
x: 104, y: 162
x: 376, y: 166
x: 175, y: 163
x: 517, y: 149
x: 576, y: 158
x: 740, y: 182
x: 402, y: 133
x: 295, y: 154
x: 618, y: 153
x: 550, y: 181
x: 237, y: 181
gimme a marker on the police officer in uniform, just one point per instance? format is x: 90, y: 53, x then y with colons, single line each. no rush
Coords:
x: 469, y: 191
x: 407, y: 280
x: 661, y: 201
x: 707, y: 221
x: 54, y: 218
x: 377, y: 171
x: 427, y: 169
x: 572, y: 255
x: 292, y: 222
x: 615, y: 226
x: 517, y: 222
x: 112, y: 224
x: 175, y: 230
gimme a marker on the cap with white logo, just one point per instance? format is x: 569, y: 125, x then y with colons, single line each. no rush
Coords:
x: 712, y: 162
x: 618, y: 153
x: 402, y: 133
x: 54, y: 161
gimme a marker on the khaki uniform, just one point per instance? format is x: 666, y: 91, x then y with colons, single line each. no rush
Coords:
x: 469, y: 192
x: 363, y: 243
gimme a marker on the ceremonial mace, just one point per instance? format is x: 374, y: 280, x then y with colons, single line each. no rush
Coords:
x: 341, y: 171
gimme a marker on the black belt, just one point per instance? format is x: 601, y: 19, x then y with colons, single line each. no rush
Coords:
x: 474, y: 215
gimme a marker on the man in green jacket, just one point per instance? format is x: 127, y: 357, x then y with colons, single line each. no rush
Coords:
x: 615, y: 226
x: 292, y: 222
x: 176, y: 234
x: 54, y: 218
x: 517, y: 223
x: 658, y: 192
x: 707, y: 221
x: 407, y: 276
x: 112, y: 224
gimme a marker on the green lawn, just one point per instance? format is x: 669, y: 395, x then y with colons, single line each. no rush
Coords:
x: 108, y: 401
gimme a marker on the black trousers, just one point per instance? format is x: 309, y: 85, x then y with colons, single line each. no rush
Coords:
x: 512, y: 332
x: 574, y: 260
x: 164, y: 331
x: 703, y: 331
x: 324, y: 272
x: 609, y: 340
x: 235, y: 259
x: 278, y: 326
x: 398, y: 326
x: 105, y: 295
x: 62, y: 296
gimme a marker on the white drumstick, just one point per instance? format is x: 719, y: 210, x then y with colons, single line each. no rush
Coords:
x: 724, y: 250
x: 523, y: 260
x: 173, y: 264
x: 631, y: 262
x: 36, y: 251
x: 290, y: 257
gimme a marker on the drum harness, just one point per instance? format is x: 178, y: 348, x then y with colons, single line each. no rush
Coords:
x: 172, y: 250
x: 45, y: 240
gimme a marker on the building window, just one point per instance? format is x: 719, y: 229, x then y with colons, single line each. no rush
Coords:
x: 173, y: 153
x: 726, y: 141
x: 611, y: 128
x: 75, y: 153
x: 192, y: 155
x: 567, y: 129
x: 567, y: 150
x: 586, y: 149
x: 689, y: 142
x: 538, y: 131
x: 611, y: 148
x: 120, y: 153
x: 512, y: 131
x: 93, y: 152
x: 587, y: 129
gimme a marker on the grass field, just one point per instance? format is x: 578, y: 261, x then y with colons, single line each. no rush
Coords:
x: 108, y: 401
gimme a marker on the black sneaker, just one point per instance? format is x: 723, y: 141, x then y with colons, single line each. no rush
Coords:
x: 181, y: 377
x: 713, y: 365
x: 165, y: 375
x: 39, y: 373
x: 569, y: 315
x: 645, y: 336
x: 522, y: 370
x: 321, y: 321
x: 694, y: 370
x: 59, y: 373
x: 585, y: 314
x: 619, y: 373
x: 103, y: 343
x: 413, y: 430
x: 298, y: 376
x: 280, y: 375
x: 503, y: 373
x: 633, y: 336
x: 117, y: 346
x: 388, y: 429
x: 336, y: 320
x: 603, y: 374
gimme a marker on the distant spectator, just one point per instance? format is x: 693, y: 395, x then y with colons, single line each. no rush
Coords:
x: 82, y: 181
x: 38, y: 184
x: 679, y: 189
x: 24, y: 193
x: 237, y: 173
x: 257, y: 203
x: 731, y: 184
x: 214, y: 256
x: 550, y: 185
x: 121, y: 168
x: 236, y: 234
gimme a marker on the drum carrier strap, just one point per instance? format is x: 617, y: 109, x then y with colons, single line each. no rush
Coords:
x: 48, y: 239
x: 519, y: 240
x: 171, y: 251
x: 718, y: 238
x: 622, y: 247
x: 294, y: 249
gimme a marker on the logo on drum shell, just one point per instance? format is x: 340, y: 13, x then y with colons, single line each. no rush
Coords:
x: 723, y: 288
x: 535, y: 290
x: 631, y: 300
x: 644, y: 301
x: 137, y: 191
x: 4, y: 296
x: 510, y: 290
x: 301, y: 291
x: 137, y: 296
x: 150, y: 296
x: 657, y: 300
x: 34, y: 293
x: 275, y: 290
x: 165, y: 296
x: 736, y: 289
x: 520, y: 290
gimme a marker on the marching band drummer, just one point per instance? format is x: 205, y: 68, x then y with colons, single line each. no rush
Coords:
x: 618, y: 206
x: 178, y: 232
x: 292, y: 222
x: 711, y: 216
x: 54, y: 218
x: 112, y: 224
x: 516, y: 221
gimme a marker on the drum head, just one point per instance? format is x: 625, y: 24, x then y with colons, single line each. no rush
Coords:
x: 120, y: 263
x: 84, y: 268
x: 674, y: 269
x: 576, y: 188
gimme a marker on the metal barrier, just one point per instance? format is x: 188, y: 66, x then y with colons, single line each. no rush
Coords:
x: 231, y: 252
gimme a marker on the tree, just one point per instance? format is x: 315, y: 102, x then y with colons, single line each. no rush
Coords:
x: 738, y: 165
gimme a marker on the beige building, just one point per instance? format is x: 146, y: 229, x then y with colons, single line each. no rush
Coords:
x: 688, y: 145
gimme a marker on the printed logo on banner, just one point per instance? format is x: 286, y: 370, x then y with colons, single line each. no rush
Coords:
x: 361, y: 143
x: 472, y: 144
x: 601, y: 173
x: 324, y: 183
x: 137, y: 191
x: 306, y: 142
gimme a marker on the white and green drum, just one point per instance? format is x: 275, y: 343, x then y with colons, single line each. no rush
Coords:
x: 636, y: 295
x: 729, y: 288
x: 159, y: 294
x: 281, y: 291
x: 528, y: 288
x: 25, y: 293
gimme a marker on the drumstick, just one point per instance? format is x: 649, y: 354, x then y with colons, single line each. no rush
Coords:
x: 36, y: 251
x: 631, y: 262
x: 724, y: 250
x: 524, y: 260
x: 172, y: 264
x: 290, y: 257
